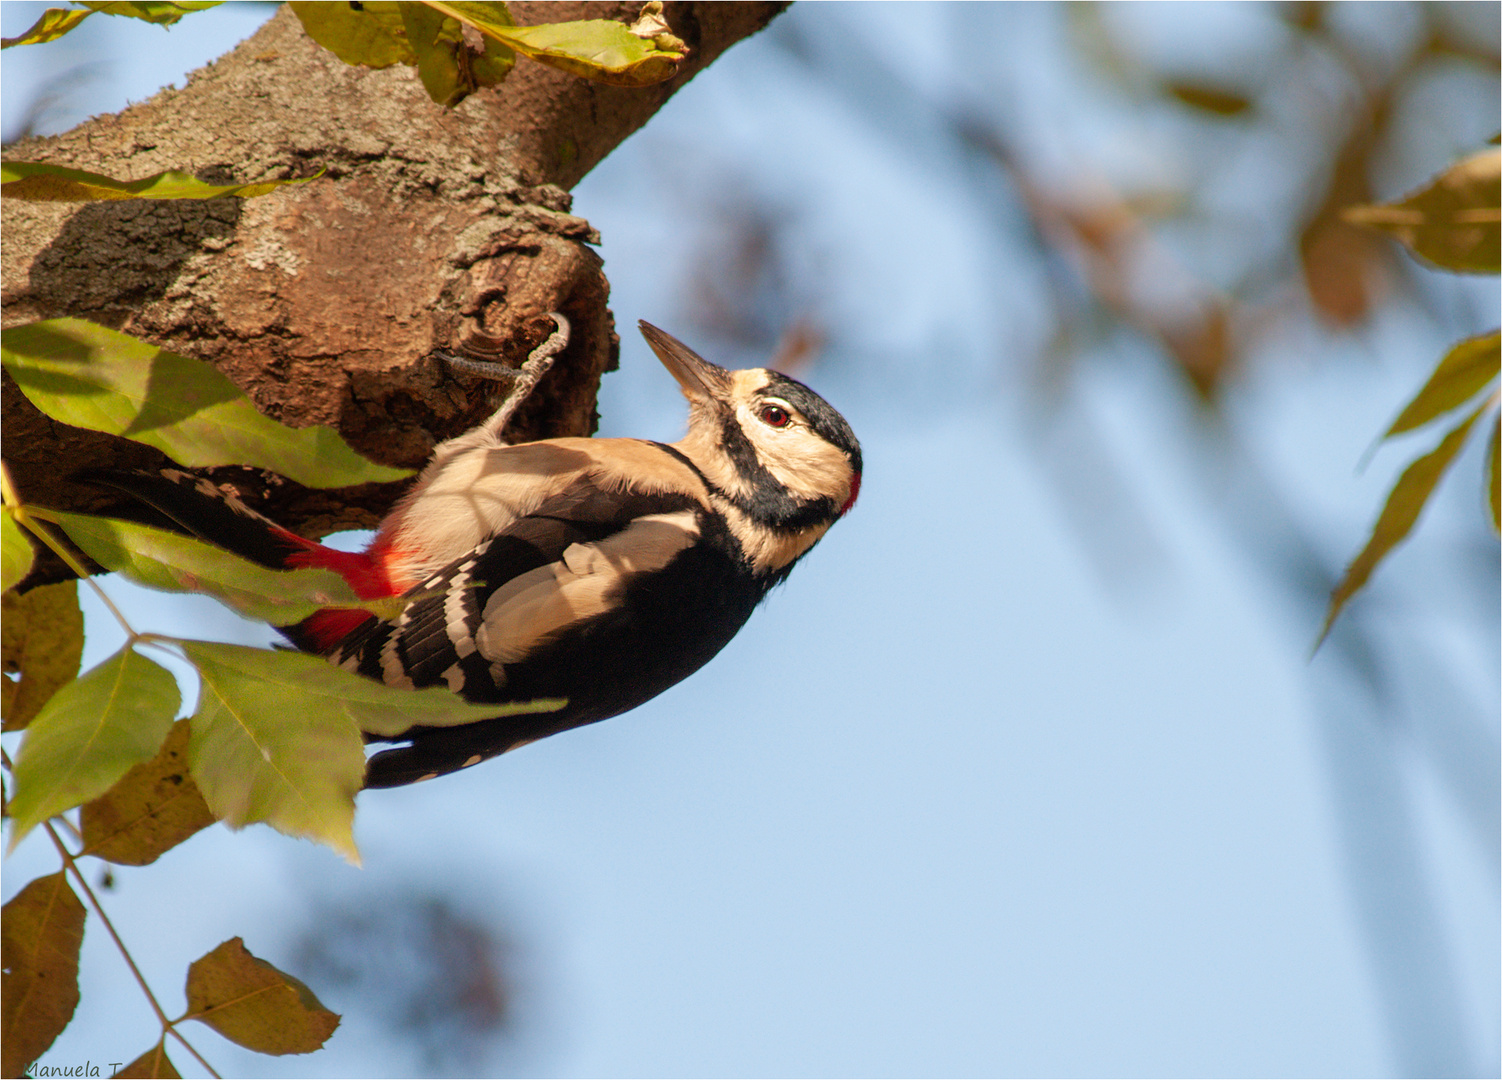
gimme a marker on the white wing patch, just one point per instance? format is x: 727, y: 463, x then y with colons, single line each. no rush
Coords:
x: 535, y: 607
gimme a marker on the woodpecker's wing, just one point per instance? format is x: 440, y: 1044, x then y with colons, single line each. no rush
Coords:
x: 478, y: 625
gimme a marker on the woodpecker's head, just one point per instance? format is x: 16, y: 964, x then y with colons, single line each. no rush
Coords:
x: 778, y: 452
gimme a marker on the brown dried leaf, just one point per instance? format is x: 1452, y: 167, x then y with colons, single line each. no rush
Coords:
x: 40, y: 935
x: 153, y: 808
x: 41, y: 639
x: 152, y: 1065
x: 252, y: 1003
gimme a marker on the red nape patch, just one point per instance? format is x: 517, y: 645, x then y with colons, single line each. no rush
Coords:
x: 365, y: 574
x: 327, y: 628
x: 855, y: 489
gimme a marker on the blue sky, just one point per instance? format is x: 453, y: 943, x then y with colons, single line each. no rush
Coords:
x: 1026, y: 770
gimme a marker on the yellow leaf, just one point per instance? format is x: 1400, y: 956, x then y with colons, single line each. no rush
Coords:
x: 1462, y: 373
x: 37, y: 181
x: 1404, y: 504
x: 1454, y: 222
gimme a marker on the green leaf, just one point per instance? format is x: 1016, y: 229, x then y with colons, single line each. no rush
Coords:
x: 1462, y: 373
x: 642, y: 54
x: 93, y: 377
x: 152, y: 1065
x: 374, y: 35
x: 87, y: 737
x: 41, y: 641
x: 1494, y: 476
x: 250, y: 1002
x: 276, y: 737
x: 1455, y: 222
x: 54, y: 23
x: 378, y: 35
x: 266, y: 748
x: 1404, y: 504
x: 36, y: 181
x: 449, y: 71
x: 159, y: 559
x: 16, y: 553
x: 41, y: 930
x: 153, y: 808
x: 161, y: 12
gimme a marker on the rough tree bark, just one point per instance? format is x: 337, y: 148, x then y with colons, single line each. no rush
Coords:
x: 432, y: 228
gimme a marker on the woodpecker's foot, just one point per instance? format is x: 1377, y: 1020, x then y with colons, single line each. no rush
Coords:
x: 523, y: 380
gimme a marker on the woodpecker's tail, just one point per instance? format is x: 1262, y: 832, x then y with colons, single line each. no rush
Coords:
x: 193, y: 505
x: 183, y: 502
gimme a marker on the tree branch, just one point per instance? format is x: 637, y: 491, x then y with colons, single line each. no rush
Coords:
x: 432, y: 228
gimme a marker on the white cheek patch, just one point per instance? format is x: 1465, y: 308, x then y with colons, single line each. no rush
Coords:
x: 536, y: 607
x: 802, y: 462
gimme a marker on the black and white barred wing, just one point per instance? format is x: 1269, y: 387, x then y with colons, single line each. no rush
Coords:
x: 484, y: 625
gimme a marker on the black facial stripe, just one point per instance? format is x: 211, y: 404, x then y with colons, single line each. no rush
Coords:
x: 769, y: 503
x: 828, y: 424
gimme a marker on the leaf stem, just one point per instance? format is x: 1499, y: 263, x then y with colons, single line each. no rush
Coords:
x: 167, y: 1025
x: 28, y: 517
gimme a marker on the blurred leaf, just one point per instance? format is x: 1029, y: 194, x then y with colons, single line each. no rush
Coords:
x: 373, y: 35
x: 642, y: 54
x: 1342, y: 269
x: 93, y: 377
x: 152, y: 1065
x: 153, y: 808
x: 16, y: 554
x: 161, y: 12
x: 1455, y: 222
x: 36, y: 181
x: 170, y: 561
x: 41, y: 930
x: 252, y: 1003
x: 1494, y: 476
x: 1404, y: 504
x: 1462, y: 373
x: 54, y: 23
x: 268, y: 747
x: 41, y: 640
x: 88, y: 735
x: 1210, y: 99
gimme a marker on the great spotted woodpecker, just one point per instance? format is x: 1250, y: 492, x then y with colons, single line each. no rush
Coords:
x: 601, y: 571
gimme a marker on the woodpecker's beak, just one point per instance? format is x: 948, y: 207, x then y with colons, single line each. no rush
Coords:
x: 698, y: 377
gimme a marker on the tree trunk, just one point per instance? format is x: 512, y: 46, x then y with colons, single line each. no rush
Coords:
x: 432, y: 228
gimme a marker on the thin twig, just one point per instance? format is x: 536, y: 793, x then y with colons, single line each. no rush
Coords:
x: 23, y: 515
x: 167, y: 1025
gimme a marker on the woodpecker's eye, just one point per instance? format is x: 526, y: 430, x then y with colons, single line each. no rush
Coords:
x: 774, y: 415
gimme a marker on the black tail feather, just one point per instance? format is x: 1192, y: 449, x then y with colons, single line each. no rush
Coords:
x: 190, y: 504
